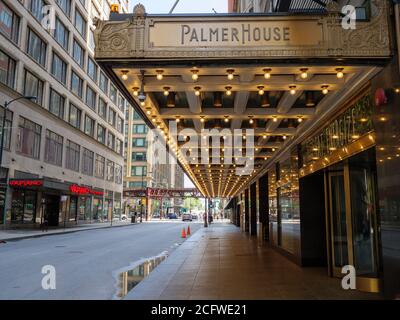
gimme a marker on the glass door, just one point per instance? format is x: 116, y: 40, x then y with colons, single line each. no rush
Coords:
x: 338, y: 222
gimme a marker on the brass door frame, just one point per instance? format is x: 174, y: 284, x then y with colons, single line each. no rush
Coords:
x: 336, y: 271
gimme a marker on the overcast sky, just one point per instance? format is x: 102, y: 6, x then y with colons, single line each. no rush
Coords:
x: 184, y: 6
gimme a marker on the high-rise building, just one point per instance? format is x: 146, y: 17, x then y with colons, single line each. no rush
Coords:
x: 63, y: 151
x: 141, y: 168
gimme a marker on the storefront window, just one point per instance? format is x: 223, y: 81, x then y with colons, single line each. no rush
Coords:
x: 23, y: 207
x: 273, y: 207
x: 73, y: 209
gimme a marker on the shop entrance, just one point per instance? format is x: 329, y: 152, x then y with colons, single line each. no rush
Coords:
x: 52, y: 209
x: 352, y: 216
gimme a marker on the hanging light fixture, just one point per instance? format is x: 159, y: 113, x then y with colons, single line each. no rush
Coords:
x: 339, y: 73
x: 135, y: 91
x: 177, y: 119
x: 260, y: 90
x: 124, y: 75
x: 197, y: 91
x: 325, y: 89
x: 217, y: 99
x: 251, y: 121
x: 228, y: 90
x: 275, y: 119
x: 304, y: 73
x: 265, y: 102
x: 299, y: 119
x: 195, y: 74
x: 226, y: 119
x: 202, y: 120
x: 160, y: 75
x: 292, y: 90
x: 267, y: 73
x: 171, y: 100
x: 166, y: 91
x: 230, y: 74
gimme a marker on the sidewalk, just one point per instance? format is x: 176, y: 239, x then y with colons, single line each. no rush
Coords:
x: 221, y: 262
x: 19, y: 234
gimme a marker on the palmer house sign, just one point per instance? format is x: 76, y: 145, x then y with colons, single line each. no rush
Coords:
x: 142, y: 36
x: 225, y: 34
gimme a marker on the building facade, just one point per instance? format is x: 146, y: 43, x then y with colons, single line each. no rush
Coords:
x: 63, y: 152
x: 142, y: 170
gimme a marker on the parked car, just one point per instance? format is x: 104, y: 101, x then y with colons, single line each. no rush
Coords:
x: 172, y: 216
x: 186, y: 217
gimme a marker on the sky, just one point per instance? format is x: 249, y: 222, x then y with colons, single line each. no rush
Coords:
x: 184, y: 6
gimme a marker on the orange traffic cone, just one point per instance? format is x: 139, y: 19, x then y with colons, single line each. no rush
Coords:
x: 183, y: 233
x: 188, y: 231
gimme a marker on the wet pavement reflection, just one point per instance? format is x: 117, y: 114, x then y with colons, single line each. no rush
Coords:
x: 130, y: 278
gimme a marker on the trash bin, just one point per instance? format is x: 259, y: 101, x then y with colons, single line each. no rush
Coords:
x: 133, y: 219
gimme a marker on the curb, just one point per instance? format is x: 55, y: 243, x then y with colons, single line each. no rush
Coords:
x: 59, y: 233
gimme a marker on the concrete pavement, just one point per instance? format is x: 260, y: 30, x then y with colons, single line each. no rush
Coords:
x: 84, y: 261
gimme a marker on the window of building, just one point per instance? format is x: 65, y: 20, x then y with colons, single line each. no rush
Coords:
x: 76, y: 84
x: 136, y: 116
x: 110, y: 170
x: 74, y: 117
x: 110, y: 140
x: 103, y: 82
x: 72, y: 156
x: 56, y: 104
x: 53, y: 148
x: 36, y: 8
x: 137, y: 184
x: 91, y: 43
x: 87, y: 162
x: 33, y: 87
x: 118, y: 174
x: 140, y: 128
x: 120, y: 125
x: 28, y: 138
x: 139, y: 156
x: 7, y: 70
x: 7, y: 127
x: 138, y: 171
x: 78, y: 54
x: 59, y: 68
x: 91, y: 98
x: 119, y: 147
x: 121, y: 103
x: 92, y: 69
x: 102, y: 108
x: 101, y: 134
x: 36, y: 47
x: 112, y: 115
x: 9, y: 22
x: 99, y: 166
x: 138, y: 142
x: 113, y: 93
x: 80, y: 23
x: 89, y: 126
x: 65, y: 6
x: 61, y: 34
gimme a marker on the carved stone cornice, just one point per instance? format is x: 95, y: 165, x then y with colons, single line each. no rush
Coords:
x: 134, y: 37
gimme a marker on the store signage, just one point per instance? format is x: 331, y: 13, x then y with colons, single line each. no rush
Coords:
x: 84, y: 190
x: 229, y: 34
x: 26, y: 183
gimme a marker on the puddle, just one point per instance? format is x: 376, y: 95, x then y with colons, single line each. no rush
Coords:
x: 129, y: 277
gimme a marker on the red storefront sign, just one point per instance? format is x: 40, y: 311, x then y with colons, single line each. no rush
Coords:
x: 26, y: 183
x: 84, y: 190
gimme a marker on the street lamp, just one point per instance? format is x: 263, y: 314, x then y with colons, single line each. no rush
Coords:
x: 6, y: 105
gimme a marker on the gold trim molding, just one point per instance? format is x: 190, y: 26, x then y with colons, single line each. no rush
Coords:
x: 365, y: 142
x: 320, y: 36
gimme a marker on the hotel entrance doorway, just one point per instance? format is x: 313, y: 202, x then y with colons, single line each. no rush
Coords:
x: 351, y: 203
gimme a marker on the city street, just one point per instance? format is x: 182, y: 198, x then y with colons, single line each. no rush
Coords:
x: 84, y: 261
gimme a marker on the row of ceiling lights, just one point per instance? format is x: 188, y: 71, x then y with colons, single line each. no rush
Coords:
x: 231, y: 73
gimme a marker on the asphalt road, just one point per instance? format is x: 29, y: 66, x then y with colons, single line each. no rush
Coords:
x: 84, y: 261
